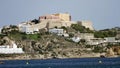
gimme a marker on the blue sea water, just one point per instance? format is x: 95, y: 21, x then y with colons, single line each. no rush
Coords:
x: 63, y: 63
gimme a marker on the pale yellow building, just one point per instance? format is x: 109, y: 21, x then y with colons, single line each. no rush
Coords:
x: 57, y: 16
x: 87, y: 24
x: 63, y: 16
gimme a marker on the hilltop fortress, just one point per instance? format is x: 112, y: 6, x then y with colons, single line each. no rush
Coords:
x: 50, y: 21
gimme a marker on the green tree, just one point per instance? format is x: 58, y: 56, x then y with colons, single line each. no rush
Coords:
x: 63, y: 27
x: 98, y: 49
x: 80, y: 28
x: 71, y: 35
x: 83, y: 41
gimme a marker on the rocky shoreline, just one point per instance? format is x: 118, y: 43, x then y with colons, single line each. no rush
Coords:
x: 38, y: 56
x: 22, y: 58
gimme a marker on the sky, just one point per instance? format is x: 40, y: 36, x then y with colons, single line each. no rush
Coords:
x: 103, y: 13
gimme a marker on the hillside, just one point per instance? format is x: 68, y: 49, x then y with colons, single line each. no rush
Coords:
x: 47, y: 45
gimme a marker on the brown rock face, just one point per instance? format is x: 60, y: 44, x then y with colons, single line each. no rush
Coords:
x: 116, y: 49
x: 110, y: 52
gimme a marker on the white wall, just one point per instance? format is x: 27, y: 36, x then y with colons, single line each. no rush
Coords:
x: 11, y: 50
x: 87, y: 24
x: 76, y: 39
x: 28, y: 29
x: 57, y: 31
x: 110, y: 39
x: 86, y: 36
x: 5, y: 49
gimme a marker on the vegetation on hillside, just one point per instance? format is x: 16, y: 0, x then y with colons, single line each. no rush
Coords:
x: 81, y: 29
x: 45, y: 43
x: 16, y: 35
x: 102, y: 34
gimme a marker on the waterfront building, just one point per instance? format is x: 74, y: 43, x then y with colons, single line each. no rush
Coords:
x: 10, y: 49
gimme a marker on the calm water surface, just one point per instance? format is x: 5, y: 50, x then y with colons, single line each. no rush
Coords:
x: 63, y: 63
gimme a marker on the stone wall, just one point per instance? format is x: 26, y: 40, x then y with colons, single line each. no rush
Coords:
x: 87, y: 24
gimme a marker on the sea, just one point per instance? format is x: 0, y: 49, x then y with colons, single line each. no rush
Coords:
x: 63, y: 63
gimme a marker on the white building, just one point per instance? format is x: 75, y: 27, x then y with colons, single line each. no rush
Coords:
x: 56, y: 31
x: 6, y: 49
x: 110, y: 39
x: 59, y: 32
x: 27, y: 28
x: 118, y: 35
x: 66, y: 35
x: 118, y: 41
x: 96, y: 41
x: 86, y: 36
x: 76, y: 39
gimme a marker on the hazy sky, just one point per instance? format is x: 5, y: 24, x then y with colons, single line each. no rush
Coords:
x: 103, y: 13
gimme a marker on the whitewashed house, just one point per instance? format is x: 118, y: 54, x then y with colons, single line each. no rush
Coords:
x: 86, y: 36
x: 118, y: 35
x: 96, y: 41
x: 56, y: 31
x: 110, y: 39
x: 66, y: 35
x: 7, y: 49
x: 59, y: 32
x: 28, y: 29
x: 76, y: 39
